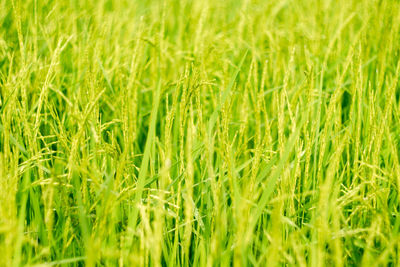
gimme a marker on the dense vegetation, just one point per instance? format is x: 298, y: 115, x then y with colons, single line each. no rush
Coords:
x: 199, y: 133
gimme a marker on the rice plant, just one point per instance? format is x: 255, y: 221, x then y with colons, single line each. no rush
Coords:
x: 199, y: 133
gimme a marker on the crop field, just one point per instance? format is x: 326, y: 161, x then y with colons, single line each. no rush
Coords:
x: 199, y: 133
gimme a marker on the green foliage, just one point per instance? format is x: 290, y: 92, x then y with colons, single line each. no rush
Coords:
x: 199, y: 133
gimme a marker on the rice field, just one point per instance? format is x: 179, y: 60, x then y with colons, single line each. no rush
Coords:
x: 199, y: 133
